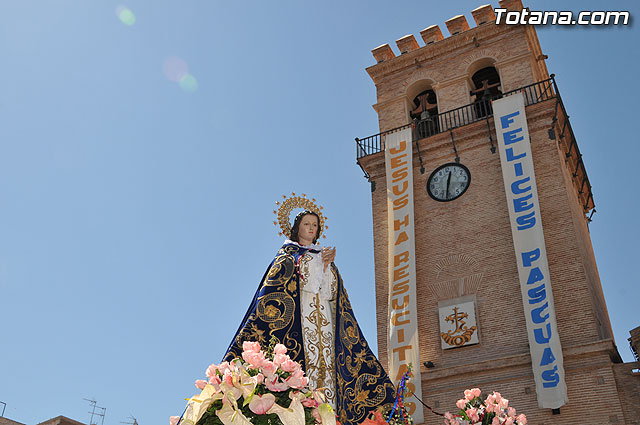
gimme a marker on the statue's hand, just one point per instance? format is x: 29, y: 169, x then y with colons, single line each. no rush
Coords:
x: 328, y: 256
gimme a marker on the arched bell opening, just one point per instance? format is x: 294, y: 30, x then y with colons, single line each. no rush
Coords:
x: 486, y: 83
x: 424, y: 109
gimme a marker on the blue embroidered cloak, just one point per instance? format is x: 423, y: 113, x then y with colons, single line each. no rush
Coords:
x: 362, y: 385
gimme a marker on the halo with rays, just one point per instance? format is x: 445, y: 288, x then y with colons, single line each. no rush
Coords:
x: 288, y: 204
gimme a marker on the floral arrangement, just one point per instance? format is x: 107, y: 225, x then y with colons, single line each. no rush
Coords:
x: 261, y: 388
x: 494, y: 410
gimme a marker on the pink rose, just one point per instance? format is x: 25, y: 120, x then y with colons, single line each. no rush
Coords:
x: 473, y: 414
x: 279, y: 349
x: 253, y: 358
x: 448, y: 415
x: 290, y: 366
x: 475, y: 392
x: 278, y: 359
x: 296, y: 380
x: 509, y: 421
x: 491, y: 399
x: 503, y: 403
x: 211, y: 371
x: 173, y: 420
x: 268, y: 368
x: 495, y: 421
x: 260, y: 378
x: 251, y: 346
x: 261, y: 404
x: 309, y: 402
x: 200, y: 384
x: 215, y: 380
x: 511, y: 411
x: 223, y: 367
x: 468, y: 395
x: 522, y: 419
x: 461, y: 403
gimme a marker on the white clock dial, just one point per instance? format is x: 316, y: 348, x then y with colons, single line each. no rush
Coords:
x: 448, y: 182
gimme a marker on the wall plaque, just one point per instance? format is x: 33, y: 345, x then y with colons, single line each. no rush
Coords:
x: 458, y: 325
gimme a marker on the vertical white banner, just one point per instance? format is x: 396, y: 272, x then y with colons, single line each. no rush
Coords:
x: 403, y: 348
x: 531, y: 254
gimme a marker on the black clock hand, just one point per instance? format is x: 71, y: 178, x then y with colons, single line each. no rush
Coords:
x: 448, y: 181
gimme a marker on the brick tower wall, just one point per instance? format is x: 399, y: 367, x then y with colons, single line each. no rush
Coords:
x: 465, y: 247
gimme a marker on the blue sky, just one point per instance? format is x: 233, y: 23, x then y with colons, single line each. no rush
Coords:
x: 135, y: 216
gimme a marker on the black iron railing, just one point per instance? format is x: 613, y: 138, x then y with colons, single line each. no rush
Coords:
x: 458, y: 117
x: 560, y: 130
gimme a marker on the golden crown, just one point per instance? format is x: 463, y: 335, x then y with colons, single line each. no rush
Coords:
x: 288, y: 204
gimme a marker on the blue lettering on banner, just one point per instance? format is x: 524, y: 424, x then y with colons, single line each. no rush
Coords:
x: 547, y: 357
x: 512, y: 136
x: 535, y: 275
x: 542, y: 331
x: 521, y: 204
x: 538, y: 333
x: 518, y: 169
x: 515, y: 186
x: 526, y: 221
x: 537, y: 294
x: 537, y: 313
x: 550, y: 378
x: 506, y: 120
x: 512, y: 157
x: 529, y: 257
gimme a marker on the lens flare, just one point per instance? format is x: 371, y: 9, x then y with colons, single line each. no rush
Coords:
x: 175, y: 69
x: 125, y: 15
x: 189, y: 83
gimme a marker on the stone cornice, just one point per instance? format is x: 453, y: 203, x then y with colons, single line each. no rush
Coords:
x: 517, y: 58
x: 381, y: 105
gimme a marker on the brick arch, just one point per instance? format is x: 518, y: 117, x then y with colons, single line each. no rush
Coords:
x: 418, y: 87
x: 416, y: 78
x: 479, y: 64
x: 471, y: 62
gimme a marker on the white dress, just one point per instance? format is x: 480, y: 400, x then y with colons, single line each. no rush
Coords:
x: 317, y: 306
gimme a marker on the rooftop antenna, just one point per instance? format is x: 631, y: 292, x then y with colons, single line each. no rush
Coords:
x: 96, y: 411
x: 135, y: 421
x: 4, y: 406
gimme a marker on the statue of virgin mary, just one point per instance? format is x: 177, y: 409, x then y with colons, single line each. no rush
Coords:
x: 302, y: 303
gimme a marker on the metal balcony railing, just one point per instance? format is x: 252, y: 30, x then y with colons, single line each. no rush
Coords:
x: 482, y: 110
x: 456, y: 118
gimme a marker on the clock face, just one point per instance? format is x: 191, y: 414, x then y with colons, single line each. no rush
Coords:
x: 448, y: 182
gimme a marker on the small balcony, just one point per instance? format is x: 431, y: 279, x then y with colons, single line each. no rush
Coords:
x: 481, y: 110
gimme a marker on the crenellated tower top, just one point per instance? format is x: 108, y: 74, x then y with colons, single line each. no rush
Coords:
x: 448, y: 65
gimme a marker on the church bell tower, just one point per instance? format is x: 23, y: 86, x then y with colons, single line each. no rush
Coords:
x: 475, y: 325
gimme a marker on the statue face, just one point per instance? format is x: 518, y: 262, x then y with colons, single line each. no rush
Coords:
x: 308, y: 229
